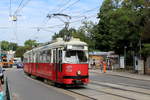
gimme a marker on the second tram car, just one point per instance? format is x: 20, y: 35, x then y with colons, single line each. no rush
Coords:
x: 63, y: 62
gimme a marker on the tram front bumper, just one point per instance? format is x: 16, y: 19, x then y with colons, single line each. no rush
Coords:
x: 80, y: 80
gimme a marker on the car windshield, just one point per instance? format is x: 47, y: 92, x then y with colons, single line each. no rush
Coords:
x: 74, y: 56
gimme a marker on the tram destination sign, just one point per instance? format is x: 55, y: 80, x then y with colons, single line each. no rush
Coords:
x: 77, y: 47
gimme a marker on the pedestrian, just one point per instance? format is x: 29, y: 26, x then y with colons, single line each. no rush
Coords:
x: 94, y: 64
x: 101, y: 65
x: 104, y: 66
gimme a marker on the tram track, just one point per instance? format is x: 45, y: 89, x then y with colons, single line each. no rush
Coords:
x: 120, y: 92
x: 126, y: 97
x: 91, y: 98
x: 85, y: 92
x: 131, y: 84
x: 113, y: 94
x: 106, y: 93
x: 99, y: 84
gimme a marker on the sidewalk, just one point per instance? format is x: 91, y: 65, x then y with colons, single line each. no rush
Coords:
x: 123, y: 74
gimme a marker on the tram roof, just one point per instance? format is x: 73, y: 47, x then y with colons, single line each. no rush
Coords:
x: 59, y: 42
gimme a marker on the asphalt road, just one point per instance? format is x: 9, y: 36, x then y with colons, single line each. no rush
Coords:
x: 25, y: 88
x: 120, y: 80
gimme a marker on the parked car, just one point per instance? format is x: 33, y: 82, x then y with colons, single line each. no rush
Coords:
x: 2, y: 75
x: 19, y: 65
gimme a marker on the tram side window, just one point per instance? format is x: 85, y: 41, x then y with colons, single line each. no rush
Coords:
x: 35, y: 57
x: 38, y: 57
x: 44, y: 54
x: 54, y: 59
x: 29, y: 59
x: 25, y: 60
x: 48, y: 57
x: 32, y: 59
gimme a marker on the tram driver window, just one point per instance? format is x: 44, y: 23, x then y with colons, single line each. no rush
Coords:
x: 74, y: 56
x: 48, y: 59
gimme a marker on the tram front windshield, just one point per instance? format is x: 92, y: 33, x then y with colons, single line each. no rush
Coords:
x: 74, y: 56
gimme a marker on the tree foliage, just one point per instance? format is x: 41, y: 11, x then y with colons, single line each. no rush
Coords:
x: 21, y: 50
x: 146, y: 50
x: 30, y: 43
x: 85, y: 33
x: 6, y: 46
x: 122, y: 23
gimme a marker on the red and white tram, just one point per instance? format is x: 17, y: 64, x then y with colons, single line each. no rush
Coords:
x: 63, y: 62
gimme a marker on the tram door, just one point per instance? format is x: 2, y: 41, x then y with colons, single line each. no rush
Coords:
x: 57, y: 58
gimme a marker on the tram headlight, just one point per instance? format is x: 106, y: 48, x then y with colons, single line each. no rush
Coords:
x: 78, y: 72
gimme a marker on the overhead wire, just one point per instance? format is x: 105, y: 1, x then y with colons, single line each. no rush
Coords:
x: 61, y: 10
x: 69, y: 5
x: 57, y: 9
x: 60, y: 7
x: 85, y: 17
x: 21, y: 7
x: 66, y: 7
x: 9, y: 7
x: 87, y: 11
x: 18, y: 7
x: 45, y: 21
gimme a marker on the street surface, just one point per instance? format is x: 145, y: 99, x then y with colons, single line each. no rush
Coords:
x: 120, y: 80
x: 102, y: 87
x: 24, y: 88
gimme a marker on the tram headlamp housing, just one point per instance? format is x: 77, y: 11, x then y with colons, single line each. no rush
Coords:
x: 78, y: 72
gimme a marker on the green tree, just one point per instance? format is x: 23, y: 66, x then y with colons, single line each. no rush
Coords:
x: 13, y: 46
x: 62, y: 33
x: 121, y: 24
x: 21, y: 50
x: 103, y: 37
x: 30, y: 44
x: 85, y: 33
x: 5, y: 45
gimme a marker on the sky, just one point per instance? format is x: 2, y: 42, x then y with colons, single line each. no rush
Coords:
x: 32, y: 22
